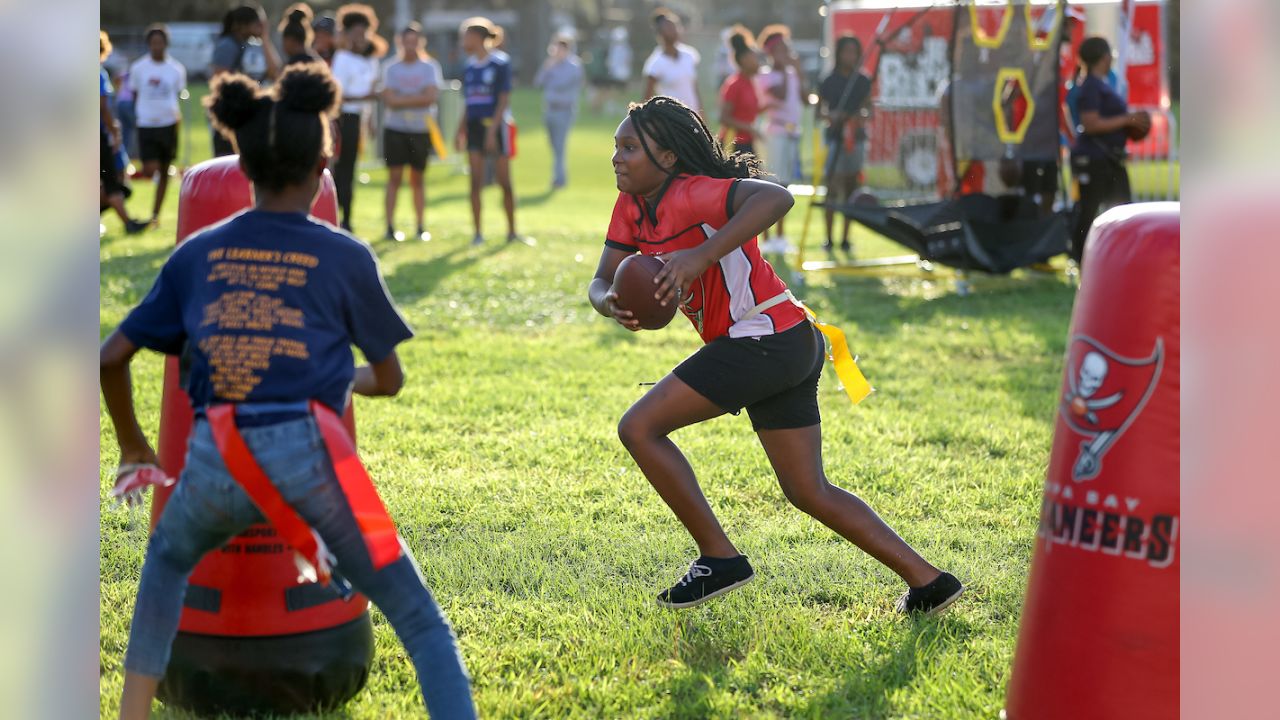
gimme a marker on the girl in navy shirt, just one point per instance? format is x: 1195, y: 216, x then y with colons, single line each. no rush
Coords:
x: 483, y: 132
x: 1098, y: 155
x: 269, y: 304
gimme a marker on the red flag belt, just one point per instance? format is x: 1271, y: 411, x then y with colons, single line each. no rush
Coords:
x: 315, y: 561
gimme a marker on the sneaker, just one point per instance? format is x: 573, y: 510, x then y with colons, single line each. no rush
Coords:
x: 478, y: 239
x: 133, y: 227
x: 423, y: 235
x: 393, y: 235
x: 931, y: 599
x: 523, y: 239
x: 847, y: 249
x: 707, y: 578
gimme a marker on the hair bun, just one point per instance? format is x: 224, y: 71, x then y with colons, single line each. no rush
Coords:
x: 299, y: 16
x: 307, y: 88
x: 740, y: 39
x: 233, y: 100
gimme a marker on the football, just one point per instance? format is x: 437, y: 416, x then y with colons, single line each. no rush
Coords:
x: 633, y: 282
x: 1139, y: 132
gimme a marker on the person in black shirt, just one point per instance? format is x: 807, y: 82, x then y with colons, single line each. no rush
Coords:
x: 1098, y: 154
x: 842, y: 99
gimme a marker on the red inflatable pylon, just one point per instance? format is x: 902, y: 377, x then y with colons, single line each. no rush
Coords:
x: 252, y: 638
x: 1099, y: 632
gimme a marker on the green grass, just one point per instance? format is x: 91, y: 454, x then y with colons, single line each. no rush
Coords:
x: 544, y: 543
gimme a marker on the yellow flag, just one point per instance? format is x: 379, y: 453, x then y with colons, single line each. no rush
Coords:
x: 437, y: 141
x: 855, y: 383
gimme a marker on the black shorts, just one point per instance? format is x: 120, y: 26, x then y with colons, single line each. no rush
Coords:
x: 1040, y: 177
x: 158, y: 144
x: 406, y: 148
x: 476, y: 128
x: 775, y: 377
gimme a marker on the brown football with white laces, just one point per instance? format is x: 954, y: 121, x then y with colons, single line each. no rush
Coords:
x: 634, y: 285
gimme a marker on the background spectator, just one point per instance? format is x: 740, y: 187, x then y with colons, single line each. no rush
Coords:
x: 560, y: 78
x: 410, y: 88
x: 158, y: 81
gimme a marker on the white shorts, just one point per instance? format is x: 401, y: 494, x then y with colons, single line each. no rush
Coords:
x: 782, y: 156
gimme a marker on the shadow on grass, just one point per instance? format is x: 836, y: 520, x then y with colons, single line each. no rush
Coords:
x: 707, y: 662
x: 862, y: 691
x: 522, y: 199
x: 138, y: 268
x: 173, y: 713
x: 1041, y: 310
x: 416, y: 280
x: 865, y: 691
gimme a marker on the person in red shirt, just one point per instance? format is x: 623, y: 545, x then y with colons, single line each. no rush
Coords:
x: 682, y: 199
x: 739, y: 103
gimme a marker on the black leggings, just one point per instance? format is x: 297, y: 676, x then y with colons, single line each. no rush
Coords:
x: 344, y: 170
x: 1104, y: 182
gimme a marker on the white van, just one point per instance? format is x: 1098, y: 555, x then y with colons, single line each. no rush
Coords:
x: 191, y: 43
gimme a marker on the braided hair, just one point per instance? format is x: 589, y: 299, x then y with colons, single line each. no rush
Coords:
x: 676, y: 127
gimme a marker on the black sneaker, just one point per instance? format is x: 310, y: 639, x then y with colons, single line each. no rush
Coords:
x: 393, y: 236
x: 931, y: 599
x: 707, y: 578
x: 133, y: 227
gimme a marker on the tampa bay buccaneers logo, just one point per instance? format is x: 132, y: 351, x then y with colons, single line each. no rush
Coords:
x: 1105, y: 394
x: 692, y: 304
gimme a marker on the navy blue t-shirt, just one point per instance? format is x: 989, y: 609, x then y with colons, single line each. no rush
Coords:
x: 1097, y: 96
x: 270, y: 304
x: 482, y: 82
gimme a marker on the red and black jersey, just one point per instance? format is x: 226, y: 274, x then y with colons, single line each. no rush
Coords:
x: 690, y: 210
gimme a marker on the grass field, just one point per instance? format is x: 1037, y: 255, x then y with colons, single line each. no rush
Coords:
x: 544, y: 543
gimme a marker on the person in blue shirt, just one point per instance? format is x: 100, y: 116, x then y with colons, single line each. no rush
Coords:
x: 112, y: 189
x: 483, y: 130
x: 1098, y: 154
x: 268, y: 304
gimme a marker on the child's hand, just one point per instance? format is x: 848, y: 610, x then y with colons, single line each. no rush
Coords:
x: 133, y: 479
x: 678, y: 272
x: 625, y: 318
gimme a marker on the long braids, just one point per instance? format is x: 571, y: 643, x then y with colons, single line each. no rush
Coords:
x: 676, y: 127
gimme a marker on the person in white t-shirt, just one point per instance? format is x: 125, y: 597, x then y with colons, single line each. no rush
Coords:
x: 782, y: 88
x: 355, y: 67
x: 157, y: 81
x: 672, y: 68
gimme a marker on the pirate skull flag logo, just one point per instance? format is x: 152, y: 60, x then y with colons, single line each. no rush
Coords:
x: 1105, y: 394
x: 693, y: 304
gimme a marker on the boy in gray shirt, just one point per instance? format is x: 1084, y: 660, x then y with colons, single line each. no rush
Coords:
x: 410, y: 88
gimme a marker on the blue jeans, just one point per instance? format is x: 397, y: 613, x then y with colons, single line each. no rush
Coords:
x: 128, y: 126
x: 208, y: 508
x: 558, y: 124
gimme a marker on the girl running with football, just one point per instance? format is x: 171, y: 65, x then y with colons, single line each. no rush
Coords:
x: 683, y: 199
